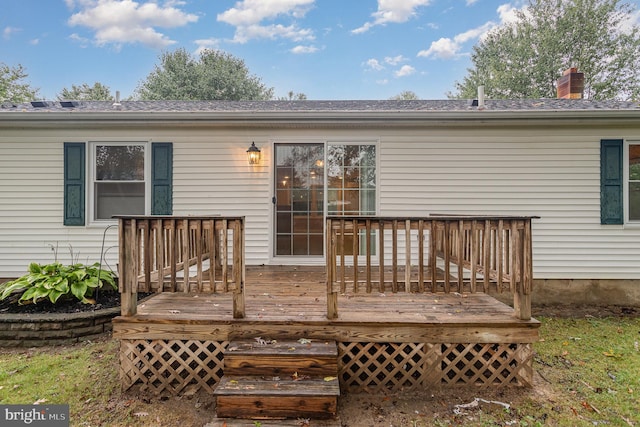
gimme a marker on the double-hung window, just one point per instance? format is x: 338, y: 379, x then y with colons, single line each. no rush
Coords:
x: 119, y: 179
x: 116, y: 178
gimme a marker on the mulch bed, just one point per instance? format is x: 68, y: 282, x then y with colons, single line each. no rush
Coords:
x: 104, y: 300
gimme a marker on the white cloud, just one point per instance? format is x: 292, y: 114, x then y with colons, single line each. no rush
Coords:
x: 34, y: 42
x: 449, y: 48
x: 374, y: 64
x: 247, y: 16
x: 275, y: 31
x: 206, y: 44
x: 392, y: 11
x: 394, y: 60
x: 126, y: 21
x: 471, y: 2
x: 304, y: 49
x: 9, y: 31
x: 444, y: 48
x: 82, y: 41
x: 405, y: 70
x: 377, y: 65
x: 508, y: 13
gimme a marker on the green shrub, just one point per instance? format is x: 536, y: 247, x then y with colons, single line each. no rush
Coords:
x: 54, y: 281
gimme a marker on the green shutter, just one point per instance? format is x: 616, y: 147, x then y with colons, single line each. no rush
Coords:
x: 611, y: 181
x: 161, y: 178
x: 74, y: 183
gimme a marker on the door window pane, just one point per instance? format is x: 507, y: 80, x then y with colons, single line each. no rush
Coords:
x: 299, y: 198
x: 351, y: 186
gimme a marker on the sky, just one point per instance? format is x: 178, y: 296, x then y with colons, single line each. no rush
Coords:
x: 326, y: 49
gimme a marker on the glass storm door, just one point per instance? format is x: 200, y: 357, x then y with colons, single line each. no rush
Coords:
x: 299, y: 201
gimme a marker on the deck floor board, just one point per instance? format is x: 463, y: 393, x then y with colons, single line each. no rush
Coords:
x: 293, y: 300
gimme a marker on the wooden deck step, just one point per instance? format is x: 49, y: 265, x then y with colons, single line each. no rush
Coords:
x: 279, y: 379
x: 277, y: 397
x: 281, y: 358
x: 234, y: 422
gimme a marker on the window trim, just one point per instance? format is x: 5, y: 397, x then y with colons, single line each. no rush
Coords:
x: 625, y: 182
x: 91, y: 177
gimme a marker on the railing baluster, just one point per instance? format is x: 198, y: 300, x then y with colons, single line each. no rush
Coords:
x: 407, y: 255
x: 381, y: 285
x: 341, y: 245
x: 486, y: 245
x: 355, y: 248
x: 499, y: 254
x: 447, y: 256
x: 394, y: 255
x: 460, y: 241
x: 473, y: 248
x: 434, y: 236
x: 224, y: 248
x: 368, y: 253
x: 421, y: 255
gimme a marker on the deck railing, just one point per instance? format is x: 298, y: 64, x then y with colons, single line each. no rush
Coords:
x: 181, y: 254
x: 444, y: 253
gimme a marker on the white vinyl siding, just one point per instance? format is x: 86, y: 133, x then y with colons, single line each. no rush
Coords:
x: 552, y: 173
x: 555, y: 177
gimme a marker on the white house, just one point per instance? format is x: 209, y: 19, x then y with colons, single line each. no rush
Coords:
x: 67, y: 167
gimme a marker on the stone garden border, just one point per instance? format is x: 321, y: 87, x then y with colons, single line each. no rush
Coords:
x: 36, y: 330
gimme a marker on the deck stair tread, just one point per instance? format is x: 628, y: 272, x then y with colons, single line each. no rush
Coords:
x: 299, y: 422
x: 276, y: 386
x: 281, y: 358
x: 279, y: 379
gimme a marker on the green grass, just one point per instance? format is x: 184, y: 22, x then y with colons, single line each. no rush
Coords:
x: 82, y: 376
x: 587, y: 373
x: 593, y: 368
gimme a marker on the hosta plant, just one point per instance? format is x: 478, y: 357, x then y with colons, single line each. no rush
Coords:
x: 54, y: 281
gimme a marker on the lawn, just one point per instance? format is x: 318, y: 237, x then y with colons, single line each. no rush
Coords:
x: 587, y: 373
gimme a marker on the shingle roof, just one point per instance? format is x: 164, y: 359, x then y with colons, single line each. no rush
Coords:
x: 319, y: 106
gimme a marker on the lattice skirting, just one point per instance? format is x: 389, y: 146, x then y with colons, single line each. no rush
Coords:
x: 392, y: 367
x: 171, y: 365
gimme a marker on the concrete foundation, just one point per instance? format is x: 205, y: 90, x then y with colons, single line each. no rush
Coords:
x: 582, y: 292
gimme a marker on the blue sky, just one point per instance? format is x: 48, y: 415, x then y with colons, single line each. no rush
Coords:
x: 326, y: 49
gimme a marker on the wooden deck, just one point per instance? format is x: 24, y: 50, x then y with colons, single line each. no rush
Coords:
x: 386, y: 341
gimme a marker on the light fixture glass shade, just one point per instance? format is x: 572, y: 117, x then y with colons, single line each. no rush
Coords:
x: 253, y: 154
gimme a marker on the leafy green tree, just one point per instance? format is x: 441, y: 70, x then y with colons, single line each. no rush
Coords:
x: 293, y: 96
x: 524, y: 59
x: 12, y: 85
x: 405, y: 95
x: 84, y: 92
x: 215, y: 75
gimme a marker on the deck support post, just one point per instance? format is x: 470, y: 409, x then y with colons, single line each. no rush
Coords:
x: 332, y: 295
x: 522, y: 294
x: 238, y: 270
x: 127, y: 235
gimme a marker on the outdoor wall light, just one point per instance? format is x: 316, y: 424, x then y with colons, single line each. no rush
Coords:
x: 253, y: 154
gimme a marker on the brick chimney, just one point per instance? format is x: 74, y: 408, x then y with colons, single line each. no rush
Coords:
x: 571, y: 84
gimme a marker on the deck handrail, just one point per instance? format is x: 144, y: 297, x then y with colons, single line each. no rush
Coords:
x: 181, y: 254
x: 451, y: 253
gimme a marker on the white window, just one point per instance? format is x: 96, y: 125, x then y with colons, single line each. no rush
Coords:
x: 119, y: 179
